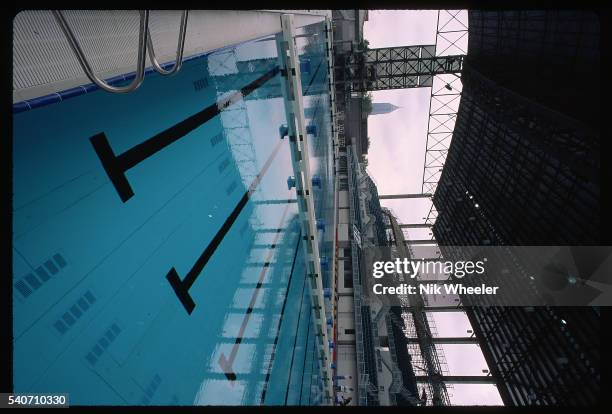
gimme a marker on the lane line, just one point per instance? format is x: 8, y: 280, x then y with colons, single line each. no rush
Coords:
x: 224, y: 362
x: 181, y: 287
x: 116, y: 165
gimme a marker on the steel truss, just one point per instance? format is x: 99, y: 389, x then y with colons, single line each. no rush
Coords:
x: 397, y: 68
x: 451, y: 38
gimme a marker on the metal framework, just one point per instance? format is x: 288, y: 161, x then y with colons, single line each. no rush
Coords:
x: 451, y: 33
x: 432, y: 216
x: 415, y: 226
x: 463, y: 379
x: 419, y: 326
x: 449, y: 340
x: 364, y: 383
x: 397, y: 68
x: 396, y: 196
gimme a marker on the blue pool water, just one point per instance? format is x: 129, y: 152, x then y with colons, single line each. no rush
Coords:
x: 94, y: 313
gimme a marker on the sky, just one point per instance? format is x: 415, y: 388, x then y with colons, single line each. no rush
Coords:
x: 397, y: 151
x: 395, y: 163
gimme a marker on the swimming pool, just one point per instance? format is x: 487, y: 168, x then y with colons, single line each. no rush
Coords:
x: 112, y: 193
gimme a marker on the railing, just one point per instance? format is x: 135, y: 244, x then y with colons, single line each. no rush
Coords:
x: 179, y: 48
x: 144, y: 41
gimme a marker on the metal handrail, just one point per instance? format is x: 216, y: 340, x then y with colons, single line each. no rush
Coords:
x: 179, y: 48
x: 140, y: 65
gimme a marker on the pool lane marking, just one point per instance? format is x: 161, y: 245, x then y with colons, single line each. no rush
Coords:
x: 297, y: 330
x: 269, y: 230
x: 280, y: 323
x: 226, y: 363
x: 181, y: 287
x: 116, y: 165
x: 312, y: 79
x: 305, y: 356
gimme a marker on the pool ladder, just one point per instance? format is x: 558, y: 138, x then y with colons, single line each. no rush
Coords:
x: 144, y: 43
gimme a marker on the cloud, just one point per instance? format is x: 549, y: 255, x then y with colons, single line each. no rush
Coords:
x: 397, y: 148
x: 409, y: 27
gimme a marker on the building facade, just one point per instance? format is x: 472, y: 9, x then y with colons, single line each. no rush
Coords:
x: 523, y: 169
